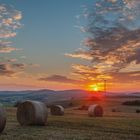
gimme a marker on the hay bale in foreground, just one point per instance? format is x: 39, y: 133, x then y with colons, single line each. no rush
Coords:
x: 57, y: 110
x: 95, y: 111
x: 2, y: 118
x: 32, y: 113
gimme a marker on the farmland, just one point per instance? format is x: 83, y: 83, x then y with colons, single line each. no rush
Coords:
x: 122, y: 124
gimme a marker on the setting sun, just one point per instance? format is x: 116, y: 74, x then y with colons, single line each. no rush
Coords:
x: 94, y: 87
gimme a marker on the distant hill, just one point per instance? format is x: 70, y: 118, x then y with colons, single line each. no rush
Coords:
x: 11, y: 97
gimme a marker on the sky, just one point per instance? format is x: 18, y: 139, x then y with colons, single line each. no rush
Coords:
x: 67, y: 44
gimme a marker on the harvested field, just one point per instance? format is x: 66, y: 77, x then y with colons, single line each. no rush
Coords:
x: 76, y: 125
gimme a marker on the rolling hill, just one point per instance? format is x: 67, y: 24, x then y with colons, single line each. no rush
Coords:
x: 11, y: 97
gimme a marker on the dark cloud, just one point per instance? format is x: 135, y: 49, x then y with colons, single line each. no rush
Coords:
x: 59, y: 78
x: 113, y: 43
x: 19, y: 66
x: 117, y: 48
x: 114, y: 33
x: 7, y: 69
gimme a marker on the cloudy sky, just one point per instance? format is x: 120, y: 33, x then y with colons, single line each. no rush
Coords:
x: 70, y: 44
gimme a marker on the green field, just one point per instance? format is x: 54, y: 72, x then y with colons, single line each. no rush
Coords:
x: 76, y: 125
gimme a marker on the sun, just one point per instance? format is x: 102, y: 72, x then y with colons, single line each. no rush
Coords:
x: 94, y: 87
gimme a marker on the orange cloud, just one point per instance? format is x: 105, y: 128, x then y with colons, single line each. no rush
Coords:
x: 80, y: 54
x: 5, y: 47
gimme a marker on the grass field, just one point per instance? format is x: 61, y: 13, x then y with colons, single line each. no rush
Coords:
x: 76, y: 125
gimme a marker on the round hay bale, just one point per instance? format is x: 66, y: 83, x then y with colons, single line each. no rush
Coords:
x: 95, y: 111
x: 57, y: 110
x: 2, y: 118
x: 32, y: 113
